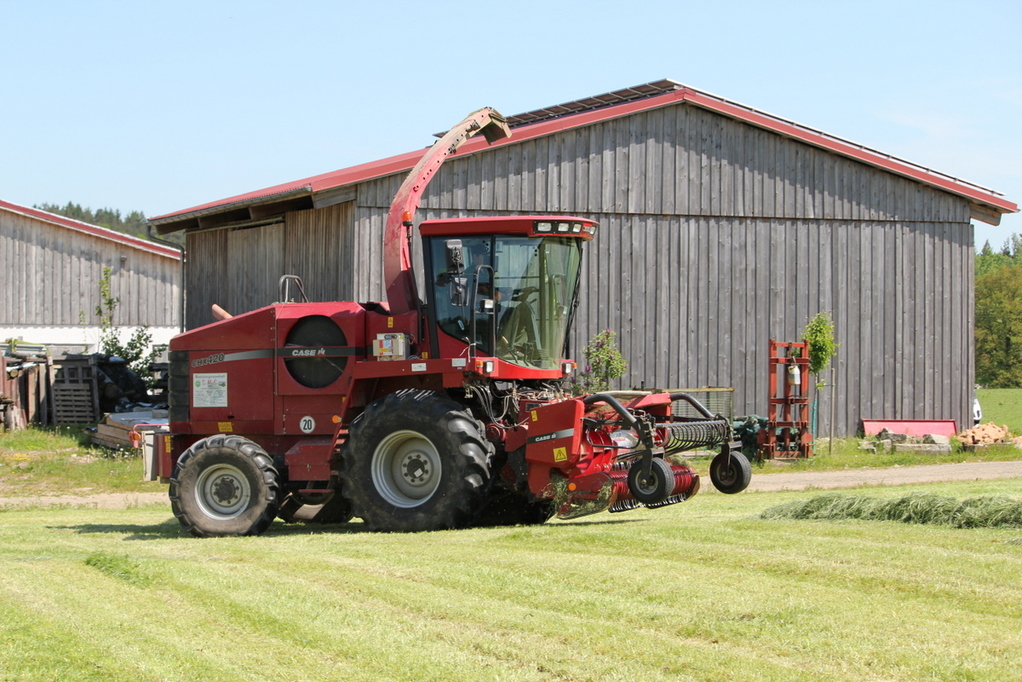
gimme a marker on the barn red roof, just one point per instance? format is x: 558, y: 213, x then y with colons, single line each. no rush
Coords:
x: 94, y: 230
x: 592, y: 110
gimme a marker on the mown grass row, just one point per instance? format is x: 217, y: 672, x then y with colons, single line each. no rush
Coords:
x: 941, y: 510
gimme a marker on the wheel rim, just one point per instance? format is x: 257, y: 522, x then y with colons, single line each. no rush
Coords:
x: 727, y: 473
x: 406, y: 469
x: 223, y: 491
x: 647, y: 486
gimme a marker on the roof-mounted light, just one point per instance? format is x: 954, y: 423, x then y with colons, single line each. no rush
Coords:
x: 544, y: 226
x: 563, y: 227
x: 576, y: 228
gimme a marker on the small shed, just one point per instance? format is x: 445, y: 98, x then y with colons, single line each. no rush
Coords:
x: 51, y: 268
x: 722, y: 227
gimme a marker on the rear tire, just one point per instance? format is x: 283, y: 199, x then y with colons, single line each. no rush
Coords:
x: 224, y: 485
x: 730, y: 472
x: 416, y: 461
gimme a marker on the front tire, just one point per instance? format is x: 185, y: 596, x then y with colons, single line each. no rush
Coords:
x: 416, y: 461
x: 224, y: 485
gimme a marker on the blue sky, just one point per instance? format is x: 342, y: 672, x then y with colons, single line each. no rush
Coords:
x: 158, y: 106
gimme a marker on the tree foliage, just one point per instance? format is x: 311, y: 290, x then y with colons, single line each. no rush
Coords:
x: 604, y: 363
x: 819, y: 333
x: 988, y: 260
x: 999, y: 327
x: 138, y: 352
x: 999, y: 314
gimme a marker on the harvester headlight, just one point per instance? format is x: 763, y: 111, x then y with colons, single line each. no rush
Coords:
x: 576, y: 228
x: 563, y: 227
x: 544, y: 227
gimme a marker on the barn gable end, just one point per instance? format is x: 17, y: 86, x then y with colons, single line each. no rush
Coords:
x: 52, y: 268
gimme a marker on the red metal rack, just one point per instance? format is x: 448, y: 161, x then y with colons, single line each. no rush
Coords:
x: 787, y: 431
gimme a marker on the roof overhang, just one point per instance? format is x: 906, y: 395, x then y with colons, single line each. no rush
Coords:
x: 330, y: 188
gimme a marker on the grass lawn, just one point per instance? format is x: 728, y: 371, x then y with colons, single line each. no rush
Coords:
x: 61, y: 460
x: 1003, y: 406
x: 704, y: 590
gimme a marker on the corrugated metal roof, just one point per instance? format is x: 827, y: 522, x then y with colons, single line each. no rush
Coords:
x: 592, y: 110
x: 94, y: 230
x: 595, y: 102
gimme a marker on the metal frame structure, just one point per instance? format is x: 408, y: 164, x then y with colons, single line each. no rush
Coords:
x: 787, y: 431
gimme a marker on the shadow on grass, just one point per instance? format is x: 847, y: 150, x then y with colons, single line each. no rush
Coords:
x: 282, y: 529
x: 171, y: 529
x: 574, y: 523
x: 161, y: 531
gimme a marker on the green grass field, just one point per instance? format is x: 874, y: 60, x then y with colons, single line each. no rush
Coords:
x: 703, y: 590
x: 61, y: 460
x: 1003, y: 406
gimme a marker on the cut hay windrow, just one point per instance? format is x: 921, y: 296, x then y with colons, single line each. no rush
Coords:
x: 972, y: 512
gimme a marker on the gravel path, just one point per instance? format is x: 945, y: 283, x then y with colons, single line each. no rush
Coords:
x: 850, y: 478
x: 761, y: 482
x: 103, y: 501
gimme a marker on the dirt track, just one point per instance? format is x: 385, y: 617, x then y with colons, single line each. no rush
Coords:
x: 103, y: 501
x: 761, y: 482
x: 850, y: 478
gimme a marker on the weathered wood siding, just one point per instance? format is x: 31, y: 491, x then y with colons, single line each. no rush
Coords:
x: 240, y: 269
x: 51, y: 277
x: 715, y: 237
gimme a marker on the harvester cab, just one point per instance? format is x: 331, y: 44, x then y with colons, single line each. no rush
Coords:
x: 504, y: 288
x: 437, y: 409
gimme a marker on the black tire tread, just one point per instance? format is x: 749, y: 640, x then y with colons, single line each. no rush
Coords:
x: 741, y: 472
x: 466, y: 476
x: 201, y: 527
x: 662, y: 473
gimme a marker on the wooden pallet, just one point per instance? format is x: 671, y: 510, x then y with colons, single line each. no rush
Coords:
x: 75, y: 392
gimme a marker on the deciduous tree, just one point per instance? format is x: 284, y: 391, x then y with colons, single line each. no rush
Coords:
x: 999, y: 327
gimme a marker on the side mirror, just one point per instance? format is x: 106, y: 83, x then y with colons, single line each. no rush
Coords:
x: 455, y: 257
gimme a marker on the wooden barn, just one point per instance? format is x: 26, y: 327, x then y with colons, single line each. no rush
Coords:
x: 51, y: 268
x: 721, y: 227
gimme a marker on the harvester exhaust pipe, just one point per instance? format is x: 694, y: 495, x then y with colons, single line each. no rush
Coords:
x: 219, y: 313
